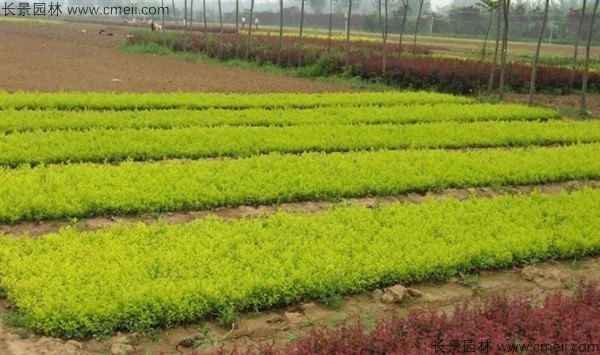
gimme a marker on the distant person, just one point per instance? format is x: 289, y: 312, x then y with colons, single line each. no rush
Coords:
x: 152, y: 25
x: 243, y: 22
x: 256, y: 23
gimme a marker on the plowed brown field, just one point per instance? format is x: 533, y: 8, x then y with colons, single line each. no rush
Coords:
x: 52, y: 58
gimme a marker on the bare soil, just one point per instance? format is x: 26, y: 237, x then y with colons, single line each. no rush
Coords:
x: 36, y: 57
x: 566, y: 104
x: 38, y: 228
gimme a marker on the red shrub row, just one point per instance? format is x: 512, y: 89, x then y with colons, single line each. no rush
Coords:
x: 466, y: 76
x: 417, y: 71
x: 265, y: 48
x: 496, y: 327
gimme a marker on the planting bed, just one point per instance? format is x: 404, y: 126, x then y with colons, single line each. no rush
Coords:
x: 68, y: 156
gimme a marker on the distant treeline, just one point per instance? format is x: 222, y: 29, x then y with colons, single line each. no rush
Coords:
x: 466, y: 21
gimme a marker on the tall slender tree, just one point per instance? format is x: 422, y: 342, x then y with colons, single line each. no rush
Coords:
x: 330, y: 25
x: 586, y: 69
x: 191, y: 16
x: 162, y: 23
x: 317, y: 7
x: 489, y: 5
x: 301, y: 30
x: 404, y: 14
x: 348, y: 22
x: 248, y: 40
x: 383, y: 22
x: 174, y: 15
x: 495, y: 59
x: 237, y: 16
x: 417, y: 24
x: 537, y: 54
x: 206, y: 46
x: 220, y: 30
x: 505, y: 9
x: 280, y: 31
x: 185, y: 18
x: 577, y: 35
x: 237, y: 27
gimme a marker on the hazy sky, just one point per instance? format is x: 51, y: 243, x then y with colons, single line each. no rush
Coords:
x: 227, y: 4
x: 439, y: 3
x: 434, y: 3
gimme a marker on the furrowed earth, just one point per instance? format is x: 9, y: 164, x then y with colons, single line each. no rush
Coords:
x: 70, y: 60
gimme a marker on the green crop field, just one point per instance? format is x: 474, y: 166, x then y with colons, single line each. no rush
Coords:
x: 100, y: 145
x: 103, y: 101
x: 75, y: 284
x: 12, y: 120
x: 68, y: 156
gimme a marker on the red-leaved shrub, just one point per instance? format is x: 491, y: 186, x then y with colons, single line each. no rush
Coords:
x: 501, y: 325
x: 419, y: 70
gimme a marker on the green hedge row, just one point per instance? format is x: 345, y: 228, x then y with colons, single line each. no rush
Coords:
x: 76, y: 284
x: 80, y: 190
x: 101, y: 145
x: 199, y: 100
x: 29, y: 120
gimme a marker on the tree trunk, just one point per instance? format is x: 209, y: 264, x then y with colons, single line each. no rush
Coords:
x: 586, y: 70
x: 383, y: 24
x: 220, y: 31
x: 162, y: 23
x: 301, y: 29
x: 495, y: 60
x: 574, y: 70
x: 237, y: 28
x: 537, y: 54
x: 417, y: 25
x: 348, y: 33
x: 249, y: 30
x: 191, y: 16
x: 330, y: 25
x: 237, y: 16
x: 487, y: 33
x: 206, y: 48
x: 280, y: 31
x: 385, y: 3
x: 185, y: 27
x: 174, y: 16
x: 405, y: 3
x: 506, y: 7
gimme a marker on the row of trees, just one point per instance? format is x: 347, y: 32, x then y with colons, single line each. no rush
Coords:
x: 463, y: 18
x: 497, y: 9
x: 502, y: 9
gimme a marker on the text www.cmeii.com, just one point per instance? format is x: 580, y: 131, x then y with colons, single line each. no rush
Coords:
x: 25, y: 9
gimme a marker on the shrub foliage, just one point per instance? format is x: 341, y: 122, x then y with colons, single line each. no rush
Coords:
x: 502, y: 325
x: 75, y: 284
x: 419, y: 70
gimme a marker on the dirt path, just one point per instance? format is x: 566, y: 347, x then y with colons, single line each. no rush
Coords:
x: 280, y: 326
x: 566, y: 104
x: 53, y: 57
x: 39, y: 228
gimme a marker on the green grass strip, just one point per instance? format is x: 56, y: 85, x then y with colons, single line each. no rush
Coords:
x: 81, y: 190
x: 30, y: 120
x: 75, y: 284
x: 132, y: 101
x: 198, y: 142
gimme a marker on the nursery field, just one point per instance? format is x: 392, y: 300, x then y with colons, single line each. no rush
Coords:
x: 75, y: 156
